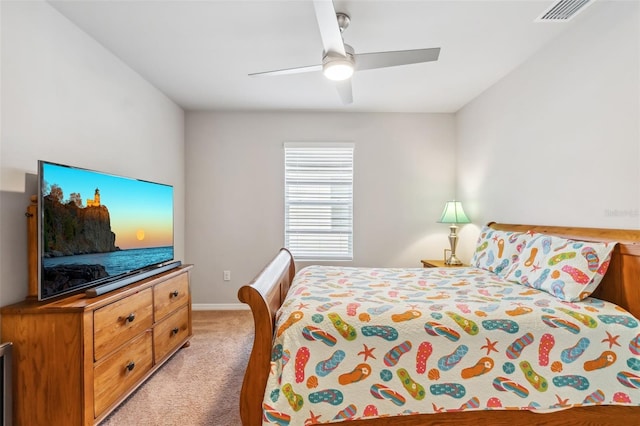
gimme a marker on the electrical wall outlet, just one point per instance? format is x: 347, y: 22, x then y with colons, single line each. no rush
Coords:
x: 226, y: 275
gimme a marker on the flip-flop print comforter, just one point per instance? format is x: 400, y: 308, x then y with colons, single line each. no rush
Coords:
x: 359, y: 342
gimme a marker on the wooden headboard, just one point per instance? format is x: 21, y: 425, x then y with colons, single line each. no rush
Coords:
x: 621, y: 283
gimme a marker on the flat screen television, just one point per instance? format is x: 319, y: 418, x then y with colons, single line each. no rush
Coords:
x: 97, y: 228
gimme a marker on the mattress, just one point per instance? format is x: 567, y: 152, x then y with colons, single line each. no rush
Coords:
x: 355, y: 343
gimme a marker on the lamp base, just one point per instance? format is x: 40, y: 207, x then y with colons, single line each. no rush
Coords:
x: 452, y: 261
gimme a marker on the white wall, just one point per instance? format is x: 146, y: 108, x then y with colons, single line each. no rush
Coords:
x: 403, y: 174
x: 557, y: 141
x: 68, y: 100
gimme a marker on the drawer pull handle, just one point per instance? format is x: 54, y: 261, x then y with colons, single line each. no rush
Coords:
x: 129, y: 367
x: 174, y: 293
x: 175, y: 331
x: 130, y: 318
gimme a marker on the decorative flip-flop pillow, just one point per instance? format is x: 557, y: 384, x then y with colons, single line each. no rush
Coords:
x: 497, y: 251
x: 568, y: 269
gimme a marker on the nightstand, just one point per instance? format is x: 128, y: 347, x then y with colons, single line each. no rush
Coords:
x: 439, y: 264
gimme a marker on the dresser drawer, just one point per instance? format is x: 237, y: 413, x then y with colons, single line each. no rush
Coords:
x: 120, y: 321
x: 119, y: 372
x: 170, y: 295
x: 170, y: 333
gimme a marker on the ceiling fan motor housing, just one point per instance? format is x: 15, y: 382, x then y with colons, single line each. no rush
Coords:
x: 343, y: 21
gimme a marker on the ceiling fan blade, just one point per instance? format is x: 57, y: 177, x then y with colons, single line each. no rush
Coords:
x: 328, y: 25
x: 344, y: 90
x: 367, y: 61
x: 287, y: 71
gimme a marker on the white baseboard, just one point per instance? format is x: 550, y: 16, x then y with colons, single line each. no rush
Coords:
x: 219, y: 306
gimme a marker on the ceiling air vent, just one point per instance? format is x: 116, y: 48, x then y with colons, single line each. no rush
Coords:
x: 563, y: 10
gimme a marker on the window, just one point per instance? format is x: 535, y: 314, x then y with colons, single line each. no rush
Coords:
x: 318, y: 200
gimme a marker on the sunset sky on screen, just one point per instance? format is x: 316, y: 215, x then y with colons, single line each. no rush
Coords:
x: 141, y: 212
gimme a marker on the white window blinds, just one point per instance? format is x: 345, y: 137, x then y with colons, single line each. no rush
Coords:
x: 318, y: 200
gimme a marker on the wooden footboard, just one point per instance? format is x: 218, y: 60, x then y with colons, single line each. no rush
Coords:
x: 621, y: 285
x: 264, y: 295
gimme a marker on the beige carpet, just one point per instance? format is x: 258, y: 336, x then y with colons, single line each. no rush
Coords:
x: 200, y: 384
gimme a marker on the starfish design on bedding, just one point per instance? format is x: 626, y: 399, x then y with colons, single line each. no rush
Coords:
x: 313, y: 419
x: 302, y: 306
x: 561, y: 402
x: 367, y: 352
x: 437, y: 409
x: 612, y: 340
x: 535, y: 267
x: 490, y: 346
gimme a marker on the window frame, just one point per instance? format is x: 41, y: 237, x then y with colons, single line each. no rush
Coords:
x: 335, y: 182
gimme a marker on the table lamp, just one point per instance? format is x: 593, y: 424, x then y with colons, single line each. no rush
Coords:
x: 453, y: 214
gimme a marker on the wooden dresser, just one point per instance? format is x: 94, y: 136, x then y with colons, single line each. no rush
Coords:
x: 76, y: 358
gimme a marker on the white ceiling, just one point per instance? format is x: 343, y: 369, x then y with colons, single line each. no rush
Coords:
x: 199, y: 52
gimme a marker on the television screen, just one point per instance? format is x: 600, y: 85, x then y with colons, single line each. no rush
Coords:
x: 96, y: 227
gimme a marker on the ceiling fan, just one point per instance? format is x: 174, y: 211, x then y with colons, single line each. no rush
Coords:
x: 339, y: 60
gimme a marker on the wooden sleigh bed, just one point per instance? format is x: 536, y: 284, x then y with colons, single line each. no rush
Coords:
x: 620, y: 285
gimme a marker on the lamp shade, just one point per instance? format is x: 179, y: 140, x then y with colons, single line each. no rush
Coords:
x: 453, y: 213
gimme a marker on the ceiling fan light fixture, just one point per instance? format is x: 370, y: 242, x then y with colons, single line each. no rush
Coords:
x: 337, y: 67
x: 338, y: 70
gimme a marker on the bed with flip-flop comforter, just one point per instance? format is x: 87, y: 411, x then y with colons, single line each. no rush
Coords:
x: 356, y: 343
